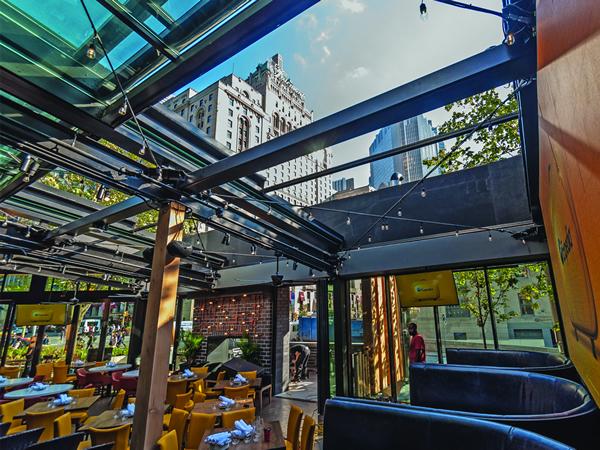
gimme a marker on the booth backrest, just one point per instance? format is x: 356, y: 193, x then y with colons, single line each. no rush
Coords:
x: 503, y: 358
x: 493, y: 391
x: 358, y: 425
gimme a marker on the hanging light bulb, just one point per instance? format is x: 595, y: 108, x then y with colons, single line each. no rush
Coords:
x: 269, y: 211
x: 490, y: 236
x: 143, y: 149
x: 295, y: 265
x: 423, y: 10
x: 421, y: 230
x: 101, y: 193
x: 226, y: 205
x: 123, y: 109
x: 63, y: 270
x: 423, y: 193
x: 39, y: 269
x: 28, y: 232
x: 348, y: 220
x: 91, y: 51
x: 311, y: 273
x: 523, y: 241
x: 382, y: 226
x: 399, y: 213
x: 510, y: 39
x: 287, y: 264
x: 253, y: 249
x: 456, y: 233
x: 369, y: 238
x: 26, y: 163
x: 233, y: 261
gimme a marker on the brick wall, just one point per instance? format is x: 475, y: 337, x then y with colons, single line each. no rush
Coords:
x: 229, y: 316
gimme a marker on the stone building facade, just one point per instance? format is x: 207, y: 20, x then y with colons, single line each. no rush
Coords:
x: 241, y: 114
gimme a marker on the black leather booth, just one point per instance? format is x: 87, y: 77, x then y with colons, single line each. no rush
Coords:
x: 538, y: 362
x: 551, y: 406
x: 363, y: 425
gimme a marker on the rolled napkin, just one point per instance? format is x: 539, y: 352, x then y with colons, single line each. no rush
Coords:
x: 129, y: 411
x: 240, y: 379
x: 2, y: 379
x: 187, y: 373
x: 111, y: 364
x: 63, y: 399
x: 38, y: 386
x: 226, y: 402
x: 221, y: 439
x: 78, y: 362
x: 242, y: 429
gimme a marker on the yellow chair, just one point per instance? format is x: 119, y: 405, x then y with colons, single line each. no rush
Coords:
x: 199, y: 370
x: 80, y: 416
x: 168, y: 441
x: 292, y: 440
x: 9, y: 410
x: 118, y: 435
x: 80, y: 393
x: 236, y: 392
x: 198, y: 386
x: 177, y: 421
x: 183, y: 401
x: 119, y: 399
x: 251, y: 375
x: 229, y: 417
x: 10, y: 371
x: 174, y: 388
x: 60, y: 374
x: 307, y: 439
x: 43, y: 420
x: 199, y: 397
x: 63, y: 426
x: 44, y: 369
x: 211, y: 393
x: 199, y: 424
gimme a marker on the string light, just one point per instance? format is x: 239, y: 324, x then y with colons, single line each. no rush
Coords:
x: 456, y: 233
x: 399, y: 213
x: 423, y: 193
x: 348, y: 221
x: 510, y: 39
x: 295, y: 265
x: 91, y: 51
x: 423, y: 10
x: 253, y: 249
x: 490, y: 236
x: 143, y: 149
x: 421, y: 230
x: 523, y: 241
x: 28, y: 233
x: 123, y: 109
x: 369, y: 238
x: 311, y: 273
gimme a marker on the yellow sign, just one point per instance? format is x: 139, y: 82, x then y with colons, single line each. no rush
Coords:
x: 426, y: 289
x: 41, y: 315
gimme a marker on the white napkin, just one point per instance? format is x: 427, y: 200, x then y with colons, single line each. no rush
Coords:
x: 242, y: 429
x: 63, y: 399
x: 2, y: 379
x: 225, y: 401
x: 240, y: 379
x: 78, y: 362
x: 38, y: 386
x: 221, y: 439
x: 188, y: 373
x: 111, y: 364
x: 129, y: 411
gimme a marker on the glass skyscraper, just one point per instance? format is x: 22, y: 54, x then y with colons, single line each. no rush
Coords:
x: 409, y: 164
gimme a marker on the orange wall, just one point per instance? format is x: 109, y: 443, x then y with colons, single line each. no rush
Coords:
x: 569, y: 121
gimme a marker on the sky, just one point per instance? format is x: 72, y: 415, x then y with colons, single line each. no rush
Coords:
x: 341, y: 52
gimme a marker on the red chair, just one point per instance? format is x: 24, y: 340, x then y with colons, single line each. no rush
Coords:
x: 38, y: 378
x: 82, y: 378
x: 116, y: 380
x: 129, y: 385
x: 100, y: 381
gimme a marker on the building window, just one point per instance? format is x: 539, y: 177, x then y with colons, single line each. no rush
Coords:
x: 229, y: 145
x: 460, y: 336
x: 230, y: 102
x: 210, y: 97
x: 207, y: 130
x: 257, y: 139
x: 454, y: 311
x: 230, y: 123
x: 275, y: 121
x: 526, y: 333
x: 243, y: 133
x: 209, y: 108
x: 229, y: 134
x: 208, y: 119
x: 257, y: 129
x: 526, y: 307
x: 230, y: 112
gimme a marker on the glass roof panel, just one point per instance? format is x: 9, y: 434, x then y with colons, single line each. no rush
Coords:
x: 47, y: 42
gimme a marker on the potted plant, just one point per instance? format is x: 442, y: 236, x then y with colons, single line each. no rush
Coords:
x: 250, y: 349
x: 190, y: 345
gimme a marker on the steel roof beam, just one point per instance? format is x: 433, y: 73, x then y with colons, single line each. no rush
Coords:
x: 493, y: 67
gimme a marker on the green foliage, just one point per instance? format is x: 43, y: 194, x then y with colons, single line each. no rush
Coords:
x: 53, y: 352
x: 502, y: 141
x: 471, y: 288
x: 190, y: 344
x: 250, y: 349
x: 120, y: 351
x: 16, y: 353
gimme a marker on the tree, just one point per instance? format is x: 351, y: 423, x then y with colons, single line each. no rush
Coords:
x: 190, y: 345
x: 471, y: 287
x: 501, y: 141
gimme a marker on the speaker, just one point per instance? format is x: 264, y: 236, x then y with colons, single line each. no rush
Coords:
x: 178, y: 250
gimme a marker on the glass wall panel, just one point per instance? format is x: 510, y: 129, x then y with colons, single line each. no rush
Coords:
x: 330, y: 321
x: 525, y: 308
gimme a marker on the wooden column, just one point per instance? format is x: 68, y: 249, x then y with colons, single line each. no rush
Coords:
x: 37, y: 350
x: 71, y: 333
x: 158, y: 331
x: 103, y: 329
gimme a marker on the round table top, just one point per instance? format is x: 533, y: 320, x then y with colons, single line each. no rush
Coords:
x: 82, y: 365
x: 131, y: 374
x: 109, y: 368
x: 12, y: 382
x: 52, y: 389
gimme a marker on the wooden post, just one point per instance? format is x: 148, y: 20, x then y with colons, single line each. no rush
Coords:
x: 37, y: 349
x: 158, y: 331
x: 71, y: 334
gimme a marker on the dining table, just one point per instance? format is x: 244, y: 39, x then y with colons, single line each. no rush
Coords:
x: 50, y: 390
x: 108, y: 419
x: 15, y: 382
x: 106, y: 369
x: 78, y: 404
x: 212, y: 406
x: 194, y: 377
x: 82, y: 365
x: 253, y: 383
x: 276, y: 442
x: 131, y: 374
